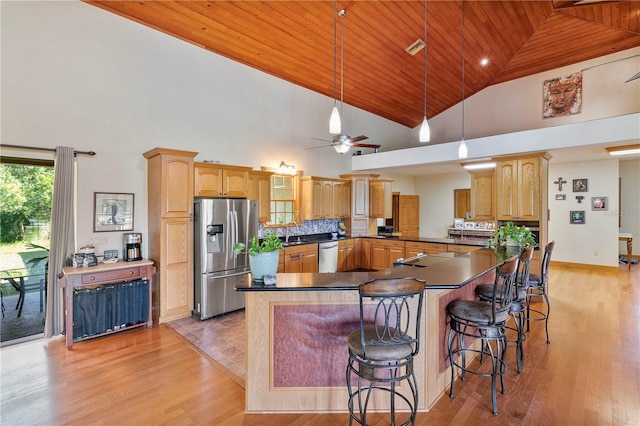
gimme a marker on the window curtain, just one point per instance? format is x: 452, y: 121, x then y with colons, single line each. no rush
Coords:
x: 62, y: 237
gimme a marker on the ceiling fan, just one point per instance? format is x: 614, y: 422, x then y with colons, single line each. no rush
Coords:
x: 342, y: 142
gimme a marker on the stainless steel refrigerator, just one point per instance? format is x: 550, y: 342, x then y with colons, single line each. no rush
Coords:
x: 218, y: 225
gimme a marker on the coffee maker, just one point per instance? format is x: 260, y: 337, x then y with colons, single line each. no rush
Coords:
x: 132, y: 244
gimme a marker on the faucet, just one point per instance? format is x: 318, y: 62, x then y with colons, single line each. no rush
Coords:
x: 286, y: 230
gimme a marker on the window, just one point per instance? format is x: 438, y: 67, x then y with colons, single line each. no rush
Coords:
x: 284, y: 199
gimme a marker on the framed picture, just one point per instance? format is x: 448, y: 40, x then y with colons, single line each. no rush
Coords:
x: 112, y: 212
x: 580, y: 185
x: 481, y: 225
x: 562, y: 96
x: 469, y: 225
x: 561, y: 197
x: 599, y: 203
x: 576, y: 217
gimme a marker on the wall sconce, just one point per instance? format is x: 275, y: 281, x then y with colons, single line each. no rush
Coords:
x: 287, y: 169
x: 624, y: 150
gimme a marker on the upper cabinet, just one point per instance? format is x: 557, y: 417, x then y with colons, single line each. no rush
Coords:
x: 260, y: 189
x: 483, y: 198
x: 170, y: 176
x: 521, y: 187
x: 221, y: 180
x: 380, y: 198
x: 322, y: 198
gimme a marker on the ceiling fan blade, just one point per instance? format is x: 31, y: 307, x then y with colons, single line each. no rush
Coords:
x: 323, y: 140
x: 366, y: 145
x: 358, y: 139
x: 316, y: 147
x: 635, y: 77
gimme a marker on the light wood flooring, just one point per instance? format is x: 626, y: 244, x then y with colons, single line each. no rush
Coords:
x: 588, y: 375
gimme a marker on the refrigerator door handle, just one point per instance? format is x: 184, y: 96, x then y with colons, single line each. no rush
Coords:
x: 231, y: 237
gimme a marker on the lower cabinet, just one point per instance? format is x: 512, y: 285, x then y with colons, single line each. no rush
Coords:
x: 363, y: 250
x: 302, y: 258
x: 346, y: 255
x: 384, y: 253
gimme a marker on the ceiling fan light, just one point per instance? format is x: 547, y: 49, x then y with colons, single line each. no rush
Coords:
x: 335, y: 125
x: 341, y: 148
x: 425, y: 132
x: 462, y: 150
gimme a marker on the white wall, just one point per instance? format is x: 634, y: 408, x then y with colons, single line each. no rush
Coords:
x: 436, y: 201
x: 75, y: 75
x: 596, y: 241
x: 630, y: 203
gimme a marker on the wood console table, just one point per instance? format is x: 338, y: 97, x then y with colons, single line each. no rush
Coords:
x: 103, y: 274
x: 629, y: 239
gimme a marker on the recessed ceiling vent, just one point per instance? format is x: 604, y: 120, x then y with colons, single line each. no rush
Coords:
x: 415, y: 47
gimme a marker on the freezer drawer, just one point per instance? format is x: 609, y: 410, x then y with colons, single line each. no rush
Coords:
x: 216, y: 294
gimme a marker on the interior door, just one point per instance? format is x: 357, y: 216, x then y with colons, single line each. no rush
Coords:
x: 409, y: 215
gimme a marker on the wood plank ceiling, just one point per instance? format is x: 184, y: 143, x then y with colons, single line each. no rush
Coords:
x: 294, y: 40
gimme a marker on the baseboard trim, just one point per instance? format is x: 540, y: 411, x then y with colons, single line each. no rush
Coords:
x: 572, y: 265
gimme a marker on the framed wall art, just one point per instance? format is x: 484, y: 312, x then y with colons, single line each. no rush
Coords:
x: 562, y: 96
x: 112, y: 212
x: 580, y: 185
x: 599, y: 203
x: 576, y: 217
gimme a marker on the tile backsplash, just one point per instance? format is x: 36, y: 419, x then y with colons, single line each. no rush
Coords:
x: 308, y: 227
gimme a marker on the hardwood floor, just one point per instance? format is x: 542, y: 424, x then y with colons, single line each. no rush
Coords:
x: 589, y: 374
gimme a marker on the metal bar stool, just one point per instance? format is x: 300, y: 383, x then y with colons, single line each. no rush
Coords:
x: 475, y: 319
x: 381, y: 351
x: 518, y: 307
x: 537, y: 288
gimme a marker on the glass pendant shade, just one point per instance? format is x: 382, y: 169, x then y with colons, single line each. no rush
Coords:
x: 425, y: 132
x: 462, y: 150
x: 335, y: 125
x: 341, y: 148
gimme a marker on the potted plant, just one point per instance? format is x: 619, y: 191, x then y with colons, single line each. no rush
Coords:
x: 263, y: 255
x: 511, y: 234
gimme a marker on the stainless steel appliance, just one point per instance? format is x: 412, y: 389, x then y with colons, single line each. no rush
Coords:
x: 219, y: 224
x: 328, y: 256
x: 132, y: 244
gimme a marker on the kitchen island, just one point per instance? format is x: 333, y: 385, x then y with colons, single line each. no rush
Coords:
x: 296, y: 331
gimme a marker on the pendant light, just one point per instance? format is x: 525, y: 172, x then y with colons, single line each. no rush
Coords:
x: 335, y: 125
x: 462, y: 149
x: 425, y: 133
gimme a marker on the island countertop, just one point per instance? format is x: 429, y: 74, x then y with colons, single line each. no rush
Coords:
x: 443, y: 271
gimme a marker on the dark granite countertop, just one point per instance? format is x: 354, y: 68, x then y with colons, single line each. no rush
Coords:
x: 445, y: 271
x: 318, y: 238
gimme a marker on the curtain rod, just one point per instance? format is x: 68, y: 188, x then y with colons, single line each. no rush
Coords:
x: 35, y: 148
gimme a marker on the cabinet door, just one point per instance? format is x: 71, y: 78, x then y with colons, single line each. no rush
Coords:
x: 208, y: 181
x: 260, y: 189
x: 341, y: 200
x: 360, y: 197
x: 378, y: 256
x: 393, y: 254
x: 176, y: 269
x: 346, y: 254
x: 234, y: 183
x: 176, y: 186
x: 365, y: 253
x: 482, y: 196
x: 529, y: 188
x: 310, y: 261
x: 506, y: 189
x: 327, y: 200
x: 380, y: 198
x: 292, y: 262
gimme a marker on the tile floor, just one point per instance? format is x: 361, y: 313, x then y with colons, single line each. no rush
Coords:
x: 222, y: 338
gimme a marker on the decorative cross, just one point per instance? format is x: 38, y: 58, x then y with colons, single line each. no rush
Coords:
x: 579, y: 198
x: 560, y: 182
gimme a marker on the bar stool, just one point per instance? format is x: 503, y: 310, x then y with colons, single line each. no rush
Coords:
x: 537, y: 287
x: 381, y: 351
x: 518, y: 307
x: 475, y: 319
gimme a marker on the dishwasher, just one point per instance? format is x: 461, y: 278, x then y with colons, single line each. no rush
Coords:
x: 328, y: 256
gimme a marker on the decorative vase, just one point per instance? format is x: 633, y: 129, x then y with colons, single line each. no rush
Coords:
x: 265, y: 263
x: 512, y: 243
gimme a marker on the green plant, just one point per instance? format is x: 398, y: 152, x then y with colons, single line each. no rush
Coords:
x: 270, y: 242
x: 519, y: 234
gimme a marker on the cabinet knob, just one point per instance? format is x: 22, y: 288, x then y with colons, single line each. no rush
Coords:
x: 92, y: 278
x: 130, y: 272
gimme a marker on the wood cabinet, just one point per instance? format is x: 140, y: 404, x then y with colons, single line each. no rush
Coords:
x: 260, y: 189
x: 347, y: 255
x: 409, y: 216
x: 342, y: 199
x: 384, y: 253
x: 380, y: 198
x: 302, y: 258
x: 413, y: 248
x: 363, y: 250
x: 483, y: 196
x: 521, y: 187
x: 321, y: 198
x: 221, y: 180
x: 170, y: 223
x: 459, y: 248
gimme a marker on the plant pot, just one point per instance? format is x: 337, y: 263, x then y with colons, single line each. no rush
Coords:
x: 512, y: 243
x: 265, y: 263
